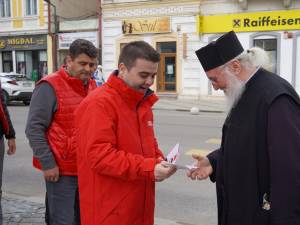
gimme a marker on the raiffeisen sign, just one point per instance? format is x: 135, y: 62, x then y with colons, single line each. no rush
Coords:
x: 244, y: 22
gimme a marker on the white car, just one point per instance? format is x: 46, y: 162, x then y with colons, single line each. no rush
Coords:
x: 16, y: 87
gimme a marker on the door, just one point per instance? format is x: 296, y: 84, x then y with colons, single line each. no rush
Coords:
x: 166, y: 77
x: 7, y: 62
x: 167, y: 73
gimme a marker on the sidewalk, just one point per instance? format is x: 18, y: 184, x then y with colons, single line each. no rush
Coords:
x: 19, y: 210
x: 207, y: 104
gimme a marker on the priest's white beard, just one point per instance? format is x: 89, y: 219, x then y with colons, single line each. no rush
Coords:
x: 234, y: 89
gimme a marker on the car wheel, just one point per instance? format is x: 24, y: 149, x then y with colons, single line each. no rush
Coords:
x: 26, y: 102
x: 5, y: 97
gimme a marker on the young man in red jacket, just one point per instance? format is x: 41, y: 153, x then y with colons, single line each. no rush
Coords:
x: 118, y: 156
x: 50, y: 130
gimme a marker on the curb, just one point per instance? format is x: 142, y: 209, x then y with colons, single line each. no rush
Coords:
x: 188, y: 110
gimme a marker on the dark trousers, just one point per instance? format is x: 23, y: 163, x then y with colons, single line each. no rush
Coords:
x: 62, y: 202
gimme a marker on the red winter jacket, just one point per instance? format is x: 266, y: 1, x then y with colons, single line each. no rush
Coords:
x: 69, y: 92
x: 117, y: 152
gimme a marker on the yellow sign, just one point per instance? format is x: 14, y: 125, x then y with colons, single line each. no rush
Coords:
x: 146, y: 25
x: 243, y: 22
x: 2, y: 44
x: 23, y: 42
x: 20, y: 41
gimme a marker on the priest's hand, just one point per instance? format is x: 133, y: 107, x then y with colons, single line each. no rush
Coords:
x: 163, y: 170
x: 203, y: 170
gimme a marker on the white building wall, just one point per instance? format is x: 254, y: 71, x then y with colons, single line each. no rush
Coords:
x: 297, y: 62
x: 194, y: 83
x: 112, y: 30
x: 286, y: 58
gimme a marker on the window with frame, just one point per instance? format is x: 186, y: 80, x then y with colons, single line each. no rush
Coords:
x: 270, y: 46
x: 31, y: 7
x: 5, y: 8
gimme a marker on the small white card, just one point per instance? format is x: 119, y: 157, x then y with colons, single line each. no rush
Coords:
x: 173, y: 156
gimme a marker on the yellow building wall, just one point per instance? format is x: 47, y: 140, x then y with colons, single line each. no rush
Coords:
x: 17, y: 14
x: 41, y: 13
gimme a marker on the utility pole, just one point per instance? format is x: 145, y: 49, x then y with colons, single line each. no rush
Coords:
x: 52, y: 31
x: 100, y: 30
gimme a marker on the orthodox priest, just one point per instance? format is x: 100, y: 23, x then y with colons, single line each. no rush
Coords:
x: 256, y: 168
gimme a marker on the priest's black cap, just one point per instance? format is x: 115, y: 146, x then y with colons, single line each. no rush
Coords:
x: 219, y: 52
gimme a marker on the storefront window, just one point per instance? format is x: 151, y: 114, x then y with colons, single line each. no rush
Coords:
x: 7, y: 62
x: 21, y: 65
x: 270, y: 46
x: 166, y: 47
x: 4, y: 8
x: 31, y: 7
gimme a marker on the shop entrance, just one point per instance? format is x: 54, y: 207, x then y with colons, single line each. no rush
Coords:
x: 166, y: 77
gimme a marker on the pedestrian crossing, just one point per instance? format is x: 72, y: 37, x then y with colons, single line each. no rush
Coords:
x: 204, y: 152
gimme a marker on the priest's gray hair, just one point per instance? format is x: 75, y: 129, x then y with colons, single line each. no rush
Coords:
x: 255, y: 57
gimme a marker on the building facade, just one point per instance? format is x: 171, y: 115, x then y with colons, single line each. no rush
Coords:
x: 70, y: 30
x: 25, y: 46
x: 178, y: 28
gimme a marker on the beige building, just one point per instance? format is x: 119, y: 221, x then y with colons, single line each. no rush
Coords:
x: 169, y: 26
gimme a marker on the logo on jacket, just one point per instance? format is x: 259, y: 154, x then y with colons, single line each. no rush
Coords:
x: 150, y: 123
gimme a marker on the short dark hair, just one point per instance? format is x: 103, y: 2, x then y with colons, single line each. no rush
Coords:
x: 137, y: 50
x: 81, y: 46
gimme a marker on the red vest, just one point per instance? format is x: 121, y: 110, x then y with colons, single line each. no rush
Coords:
x: 69, y: 93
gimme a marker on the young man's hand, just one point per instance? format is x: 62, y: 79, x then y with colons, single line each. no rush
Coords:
x: 163, y: 170
x: 51, y: 175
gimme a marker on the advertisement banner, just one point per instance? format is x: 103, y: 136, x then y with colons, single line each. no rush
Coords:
x: 146, y: 25
x: 65, y: 39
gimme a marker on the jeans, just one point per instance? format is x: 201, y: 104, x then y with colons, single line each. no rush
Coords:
x: 62, y: 201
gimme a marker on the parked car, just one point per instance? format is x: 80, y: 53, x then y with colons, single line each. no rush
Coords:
x: 16, y: 87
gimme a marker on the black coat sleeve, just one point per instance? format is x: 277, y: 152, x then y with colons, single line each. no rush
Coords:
x: 213, y: 158
x: 284, y: 155
x: 11, y: 133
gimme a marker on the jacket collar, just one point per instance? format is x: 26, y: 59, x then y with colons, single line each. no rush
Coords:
x: 132, y: 96
x: 76, y: 84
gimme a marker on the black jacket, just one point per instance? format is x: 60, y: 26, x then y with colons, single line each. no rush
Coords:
x: 11, y: 131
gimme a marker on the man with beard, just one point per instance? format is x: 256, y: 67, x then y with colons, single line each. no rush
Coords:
x: 257, y: 168
x: 50, y: 130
